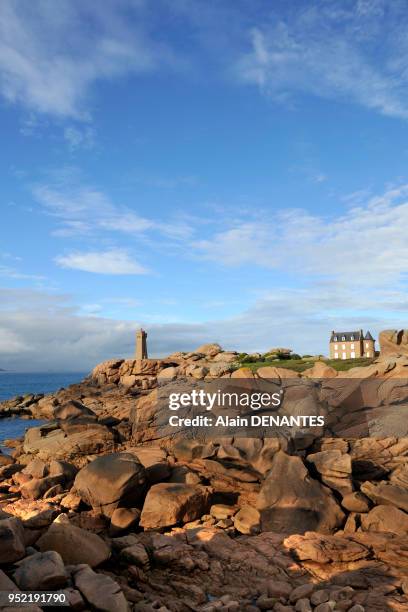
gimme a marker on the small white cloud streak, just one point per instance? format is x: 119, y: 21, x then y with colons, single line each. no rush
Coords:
x: 77, y: 138
x: 112, y: 261
x: 82, y: 209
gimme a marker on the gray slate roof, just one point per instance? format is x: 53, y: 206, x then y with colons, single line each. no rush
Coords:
x: 350, y: 336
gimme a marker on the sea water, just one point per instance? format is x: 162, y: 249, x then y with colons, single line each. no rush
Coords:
x: 22, y: 383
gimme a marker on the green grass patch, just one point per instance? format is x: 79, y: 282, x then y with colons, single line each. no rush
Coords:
x: 300, y: 365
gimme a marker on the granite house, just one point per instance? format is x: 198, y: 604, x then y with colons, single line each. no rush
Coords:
x: 351, y: 345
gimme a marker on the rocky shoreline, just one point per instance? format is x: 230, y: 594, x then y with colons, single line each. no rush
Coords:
x: 99, y: 504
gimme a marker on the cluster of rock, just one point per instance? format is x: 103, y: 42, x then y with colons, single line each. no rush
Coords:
x: 207, y: 360
x: 100, y: 506
x: 239, y: 524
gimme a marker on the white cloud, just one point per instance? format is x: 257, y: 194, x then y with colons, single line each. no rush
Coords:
x: 8, y: 269
x: 113, y: 261
x: 82, y: 209
x: 51, y: 53
x: 330, y: 50
x: 46, y: 332
x: 79, y: 138
x: 320, y: 178
x: 367, y: 246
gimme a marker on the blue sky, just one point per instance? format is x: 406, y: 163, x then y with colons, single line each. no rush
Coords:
x: 213, y: 171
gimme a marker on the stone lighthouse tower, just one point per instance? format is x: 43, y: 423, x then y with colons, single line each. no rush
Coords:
x: 141, y: 344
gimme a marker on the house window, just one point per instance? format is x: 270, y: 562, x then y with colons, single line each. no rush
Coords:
x: 336, y: 346
x: 344, y: 337
x: 351, y: 337
x: 368, y: 354
x: 352, y: 344
x: 353, y: 354
x: 335, y: 338
x: 336, y: 355
x: 367, y: 345
x: 344, y: 356
x: 344, y: 347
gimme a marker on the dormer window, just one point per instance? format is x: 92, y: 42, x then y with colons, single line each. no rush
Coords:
x: 344, y: 337
x: 335, y: 338
x: 351, y: 337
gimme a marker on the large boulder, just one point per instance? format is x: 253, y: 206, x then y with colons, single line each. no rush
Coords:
x: 75, y: 545
x: 393, y: 342
x: 72, y: 409
x: 53, y: 443
x: 385, y: 518
x: 100, y: 591
x: 290, y: 501
x: 320, y: 548
x: 387, y: 494
x: 169, y: 503
x: 36, y: 487
x: 209, y: 350
x: 334, y: 468
x: 247, y: 520
x: 112, y: 481
x: 12, y: 547
x: 320, y: 369
x: 41, y: 571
